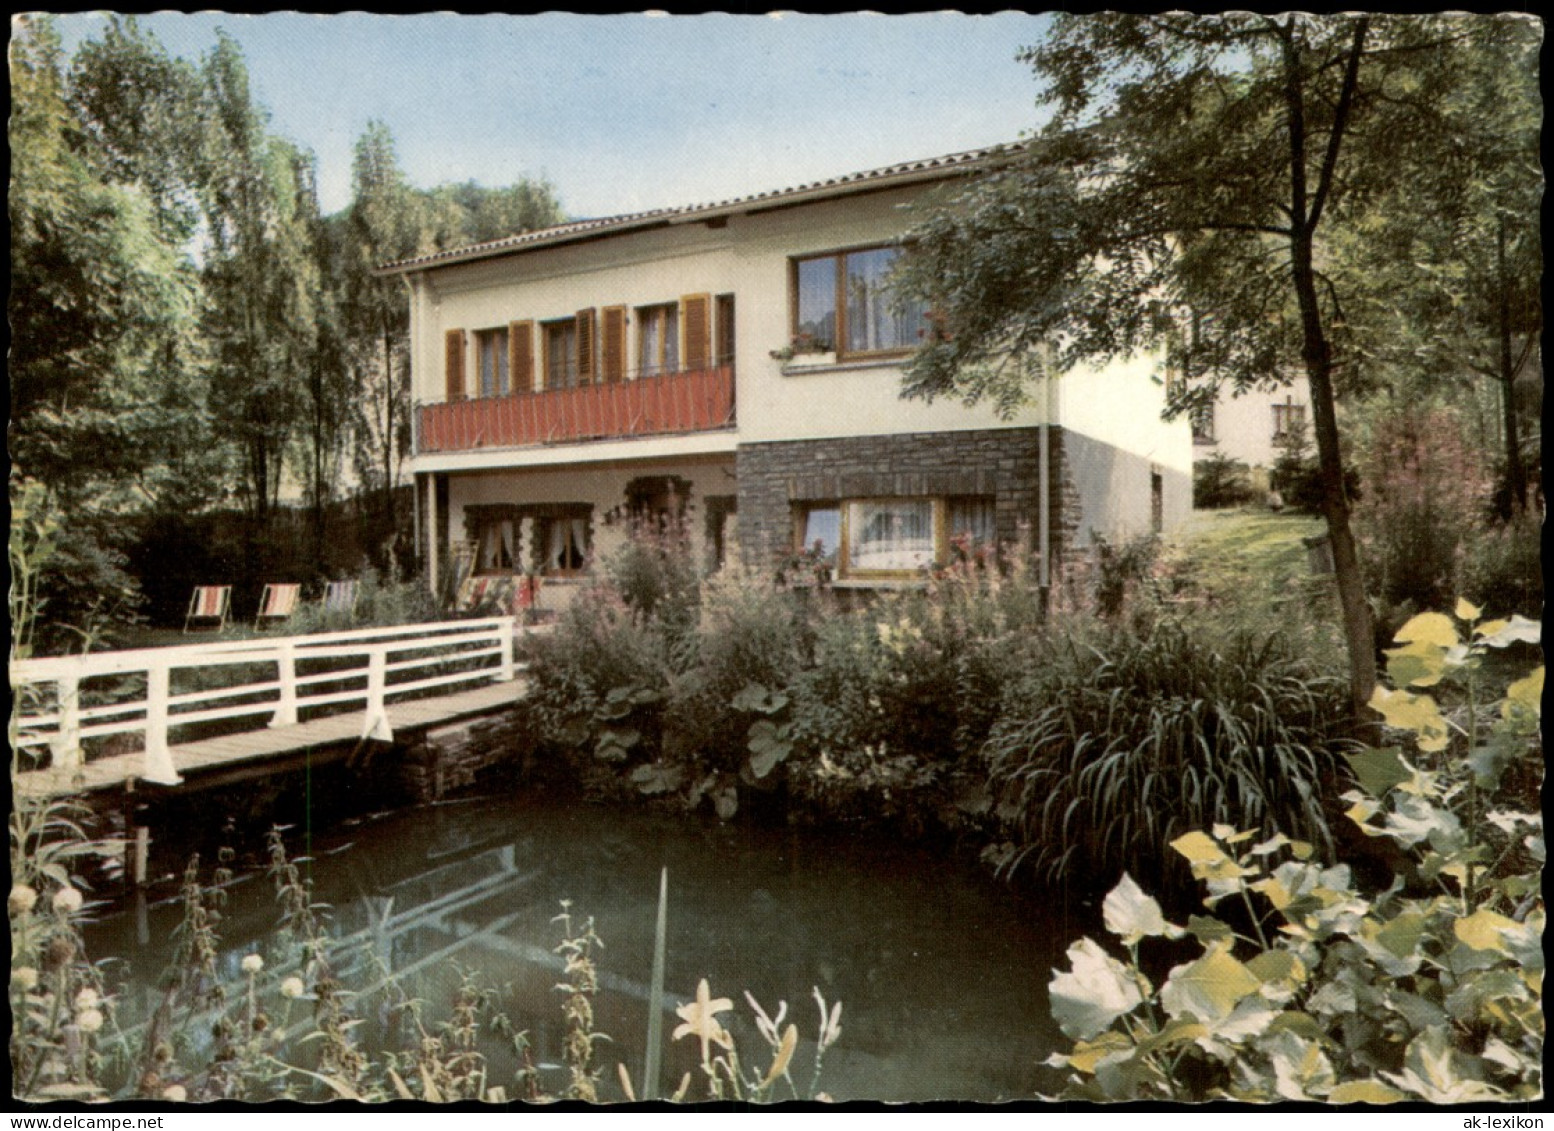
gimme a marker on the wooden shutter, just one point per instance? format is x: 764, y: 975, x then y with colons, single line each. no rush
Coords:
x: 585, y: 346
x: 454, y: 343
x: 520, y: 355
x: 612, y: 344
x: 696, y: 327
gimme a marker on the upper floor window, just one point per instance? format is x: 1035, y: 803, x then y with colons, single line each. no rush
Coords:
x: 492, y: 353
x: 1202, y: 418
x: 561, y: 354
x: 843, y: 301
x: 658, y: 338
x: 1289, y: 421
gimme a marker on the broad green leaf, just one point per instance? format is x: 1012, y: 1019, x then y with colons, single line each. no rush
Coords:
x: 1208, y: 860
x: 1207, y: 929
x: 1209, y: 988
x: 1277, y: 967
x: 1417, y: 713
x: 1483, y: 930
x: 1301, y: 1071
x: 1526, y: 694
x: 1431, y: 628
x: 1274, y: 891
x: 1131, y: 914
x: 1401, y: 933
x: 1466, y: 610
x: 1364, y: 1092
x: 1094, y: 992
x: 1087, y: 1054
x: 1420, y: 664
x: 768, y: 746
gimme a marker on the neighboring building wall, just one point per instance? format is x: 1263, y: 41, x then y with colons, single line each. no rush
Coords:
x: 1243, y: 427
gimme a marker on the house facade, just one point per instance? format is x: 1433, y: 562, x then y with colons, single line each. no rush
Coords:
x: 1255, y: 427
x: 737, y: 367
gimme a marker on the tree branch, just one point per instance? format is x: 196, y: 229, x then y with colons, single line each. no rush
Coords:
x: 1340, y: 121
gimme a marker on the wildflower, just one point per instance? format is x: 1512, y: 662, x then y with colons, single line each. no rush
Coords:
x: 175, y: 1093
x: 22, y: 899
x: 89, y: 1020
x: 701, y: 1020
x: 24, y: 978
x: 87, y: 999
x: 252, y: 964
x: 830, y: 1026
x: 292, y: 987
x: 67, y: 900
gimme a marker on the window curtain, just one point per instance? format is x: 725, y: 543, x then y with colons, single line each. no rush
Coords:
x: 496, y: 548
x: 972, y: 524
x: 567, y: 544
x: 877, y: 319
x: 894, y: 535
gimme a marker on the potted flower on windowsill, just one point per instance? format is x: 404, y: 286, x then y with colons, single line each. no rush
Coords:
x: 805, y: 349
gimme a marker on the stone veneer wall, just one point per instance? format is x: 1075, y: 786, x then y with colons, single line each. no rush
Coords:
x: 1001, y: 463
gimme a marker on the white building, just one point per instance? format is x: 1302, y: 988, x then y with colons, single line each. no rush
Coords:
x: 739, y: 365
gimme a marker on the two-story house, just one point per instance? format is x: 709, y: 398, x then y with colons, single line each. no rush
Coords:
x: 738, y: 366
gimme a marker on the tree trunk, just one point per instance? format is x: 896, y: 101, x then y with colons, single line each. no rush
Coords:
x: 1316, y: 352
x: 1515, y: 472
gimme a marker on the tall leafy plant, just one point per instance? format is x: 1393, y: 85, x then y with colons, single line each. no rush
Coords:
x: 1429, y: 990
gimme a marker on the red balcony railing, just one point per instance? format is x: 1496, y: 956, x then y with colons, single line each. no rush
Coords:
x: 694, y: 401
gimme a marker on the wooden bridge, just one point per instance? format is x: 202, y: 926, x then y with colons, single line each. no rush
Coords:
x: 108, y: 720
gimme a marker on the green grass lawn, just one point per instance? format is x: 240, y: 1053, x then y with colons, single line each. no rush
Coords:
x: 1250, y: 566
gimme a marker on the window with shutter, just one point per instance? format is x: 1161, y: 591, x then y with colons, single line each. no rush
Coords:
x: 658, y: 339
x: 586, y: 346
x: 454, y: 367
x: 520, y: 355
x: 560, y: 340
x: 696, y: 325
x: 612, y: 344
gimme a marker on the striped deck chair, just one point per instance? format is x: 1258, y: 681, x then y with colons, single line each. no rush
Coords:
x: 208, y: 607
x: 277, y: 603
x: 340, y: 597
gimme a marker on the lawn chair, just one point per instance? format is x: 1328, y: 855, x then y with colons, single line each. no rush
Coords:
x: 208, y: 607
x: 277, y: 603
x: 340, y: 597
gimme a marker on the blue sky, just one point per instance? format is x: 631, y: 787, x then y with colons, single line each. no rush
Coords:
x: 622, y: 113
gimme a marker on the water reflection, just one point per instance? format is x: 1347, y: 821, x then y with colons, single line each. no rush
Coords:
x: 942, y: 976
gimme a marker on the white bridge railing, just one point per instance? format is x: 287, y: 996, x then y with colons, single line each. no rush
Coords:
x: 276, y: 677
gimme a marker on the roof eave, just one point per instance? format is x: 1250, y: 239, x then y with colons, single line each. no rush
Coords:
x: 766, y: 202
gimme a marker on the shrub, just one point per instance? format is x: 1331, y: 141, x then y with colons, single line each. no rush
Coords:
x: 1503, y: 563
x: 1428, y: 991
x: 1426, y: 495
x: 655, y: 571
x: 1119, y: 739
x: 598, y: 682
x: 1221, y: 481
x: 728, y: 706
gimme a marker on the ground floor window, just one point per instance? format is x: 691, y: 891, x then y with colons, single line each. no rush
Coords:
x: 562, y: 545
x: 496, y: 545
x: 893, y: 538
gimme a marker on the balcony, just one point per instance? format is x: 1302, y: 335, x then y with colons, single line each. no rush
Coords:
x: 663, y: 405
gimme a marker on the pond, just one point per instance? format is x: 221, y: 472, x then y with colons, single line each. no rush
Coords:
x: 941, y: 971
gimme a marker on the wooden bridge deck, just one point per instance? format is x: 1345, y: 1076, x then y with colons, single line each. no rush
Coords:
x: 268, y: 750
